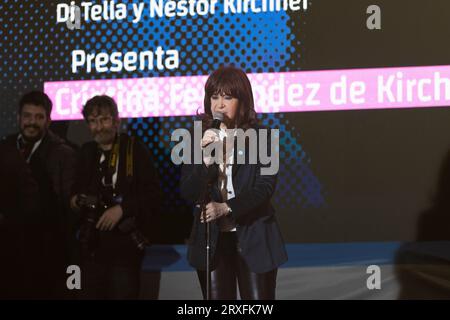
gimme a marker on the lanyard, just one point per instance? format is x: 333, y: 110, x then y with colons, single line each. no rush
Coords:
x: 20, y: 142
x: 112, y: 162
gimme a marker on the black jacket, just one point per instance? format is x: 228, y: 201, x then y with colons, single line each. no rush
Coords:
x: 19, y: 202
x: 44, y: 231
x: 53, y: 168
x: 141, y: 197
x: 259, y: 238
x: 19, y: 197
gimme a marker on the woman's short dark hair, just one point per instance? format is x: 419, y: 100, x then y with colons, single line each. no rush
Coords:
x: 37, y: 98
x: 100, y: 103
x: 234, y: 82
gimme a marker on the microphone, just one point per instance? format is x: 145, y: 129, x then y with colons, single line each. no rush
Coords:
x: 213, y: 169
x: 217, y: 120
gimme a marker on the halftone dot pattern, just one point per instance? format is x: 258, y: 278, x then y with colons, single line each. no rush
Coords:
x: 34, y: 49
x: 297, y: 184
x: 172, y: 96
x: 155, y: 132
x: 260, y: 42
x: 143, y: 97
x: 37, y: 49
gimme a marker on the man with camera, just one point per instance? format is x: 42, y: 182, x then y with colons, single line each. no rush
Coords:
x: 117, y: 192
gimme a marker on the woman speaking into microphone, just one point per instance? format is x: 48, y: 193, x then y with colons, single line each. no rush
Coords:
x: 246, y: 246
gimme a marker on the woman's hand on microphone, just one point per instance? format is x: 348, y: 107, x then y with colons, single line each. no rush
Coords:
x: 214, y: 210
x: 209, y: 137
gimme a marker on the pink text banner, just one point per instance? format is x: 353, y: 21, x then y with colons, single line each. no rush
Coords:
x: 330, y: 90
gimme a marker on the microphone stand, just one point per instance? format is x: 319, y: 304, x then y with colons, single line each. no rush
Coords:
x: 204, y: 200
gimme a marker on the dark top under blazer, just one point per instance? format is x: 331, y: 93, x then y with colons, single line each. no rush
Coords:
x: 259, y: 238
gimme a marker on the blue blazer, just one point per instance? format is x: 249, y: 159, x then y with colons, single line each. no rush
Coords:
x: 260, y: 242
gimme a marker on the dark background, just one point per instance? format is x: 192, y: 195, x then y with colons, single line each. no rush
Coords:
x: 360, y: 175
